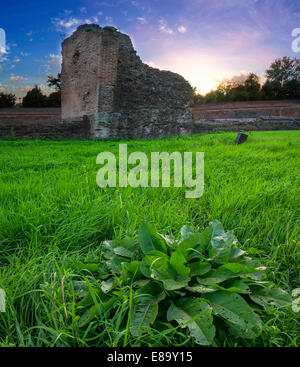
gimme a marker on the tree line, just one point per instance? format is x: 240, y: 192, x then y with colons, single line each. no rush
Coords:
x: 35, y: 97
x: 282, y: 82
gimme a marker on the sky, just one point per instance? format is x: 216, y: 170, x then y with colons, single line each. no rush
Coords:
x: 205, y: 41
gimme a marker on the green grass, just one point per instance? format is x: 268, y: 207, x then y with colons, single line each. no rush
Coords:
x: 52, y: 212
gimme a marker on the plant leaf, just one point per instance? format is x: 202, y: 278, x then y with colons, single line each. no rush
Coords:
x: 199, y: 268
x: 150, y: 240
x: 220, y: 247
x: 162, y: 270
x: 224, y: 272
x: 270, y: 296
x: 144, y: 312
x: 196, y: 315
x: 186, y: 232
x: 177, y: 262
x: 233, y: 308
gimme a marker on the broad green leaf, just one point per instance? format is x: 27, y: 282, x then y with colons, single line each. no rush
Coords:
x: 134, y: 270
x: 150, y: 259
x: 220, y: 247
x: 224, y: 272
x: 199, y: 268
x: 145, y: 307
x: 144, y: 312
x: 196, y: 316
x: 162, y: 270
x: 270, y: 296
x: 203, y: 241
x: 233, y: 308
x: 122, y: 251
x: 153, y: 288
x: 82, y: 266
x: 235, y: 286
x: 154, y: 254
x: 150, y: 240
x: 186, y: 232
x: 217, y: 228
x: 115, y: 262
x: 178, y: 261
x: 235, y: 253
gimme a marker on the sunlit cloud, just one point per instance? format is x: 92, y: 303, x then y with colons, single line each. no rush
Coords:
x: 163, y: 27
x: 181, y: 29
x: 17, y: 79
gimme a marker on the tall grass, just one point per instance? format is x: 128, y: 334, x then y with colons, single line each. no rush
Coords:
x: 52, y: 212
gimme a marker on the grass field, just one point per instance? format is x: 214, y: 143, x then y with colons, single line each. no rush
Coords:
x: 52, y: 212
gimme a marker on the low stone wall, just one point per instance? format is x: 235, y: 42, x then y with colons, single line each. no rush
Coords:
x: 251, y: 109
x: 247, y: 124
x: 39, y: 123
x: 46, y: 123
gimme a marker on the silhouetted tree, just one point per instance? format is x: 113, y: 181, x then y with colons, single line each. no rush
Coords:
x: 35, y: 98
x: 7, y: 100
x: 54, y: 81
x: 252, y: 87
x: 54, y: 99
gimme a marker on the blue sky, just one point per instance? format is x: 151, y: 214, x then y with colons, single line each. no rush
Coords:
x: 203, y: 40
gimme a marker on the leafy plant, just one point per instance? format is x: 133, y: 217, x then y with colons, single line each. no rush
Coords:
x: 202, y: 282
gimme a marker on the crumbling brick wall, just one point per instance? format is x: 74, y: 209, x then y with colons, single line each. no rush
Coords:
x: 105, y: 82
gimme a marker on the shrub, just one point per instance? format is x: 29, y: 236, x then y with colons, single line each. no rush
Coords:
x: 203, y: 282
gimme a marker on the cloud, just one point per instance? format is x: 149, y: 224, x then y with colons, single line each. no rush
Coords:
x: 163, y: 27
x: 16, y: 60
x: 69, y: 24
x: 142, y: 20
x: 54, y: 62
x: 17, y: 79
x: 109, y: 20
x: 82, y: 10
x: 66, y: 23
x: 181, y: 29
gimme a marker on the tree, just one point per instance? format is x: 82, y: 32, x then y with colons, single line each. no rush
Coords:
x: 7, y: 100
x: 291, y: 89
x: 252, y: 87
x: 54, y: 99
x: 54, y: 81
x: 35, y: 98
x: 271, y: 90
x: 283, y: 70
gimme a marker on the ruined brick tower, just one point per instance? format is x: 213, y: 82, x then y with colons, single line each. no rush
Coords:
x: 105, y: 83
